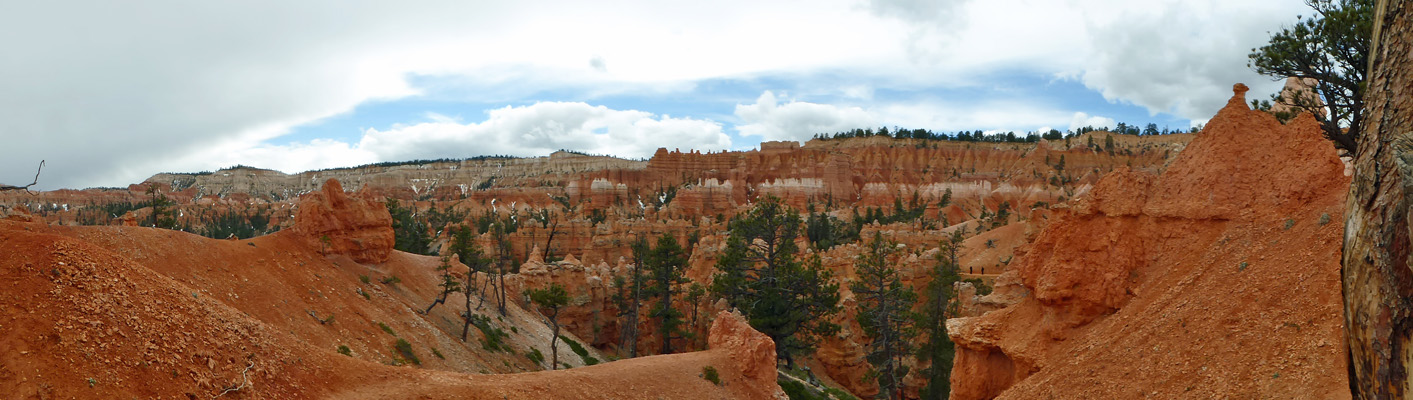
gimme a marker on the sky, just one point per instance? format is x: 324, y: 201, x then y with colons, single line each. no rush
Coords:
x: 110, y: 93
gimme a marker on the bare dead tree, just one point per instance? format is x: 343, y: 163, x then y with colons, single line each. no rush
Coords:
x: 25, y: 187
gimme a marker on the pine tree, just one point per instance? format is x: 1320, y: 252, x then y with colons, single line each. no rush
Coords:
x: 884, y: 314
x: 939, y: 304
x: 470, y: 254
x: 786, y: 299
x: 500, y: 238
x: 553, y: 298
x: 630, y: 295
x: 449, y: 284
x: 665, y: 266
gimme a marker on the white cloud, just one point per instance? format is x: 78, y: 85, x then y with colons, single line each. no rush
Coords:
x: 1183, y: 57
x: 542, y: 128
x: 797, y: 120
x: 1081, y: 120
x: 110, y: 93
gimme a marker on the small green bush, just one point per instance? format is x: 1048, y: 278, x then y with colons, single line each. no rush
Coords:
x: 437, y: 353
x: 345, y: 351
x: 580, y: 350
x: 493, y: 339
x: 364, y: 279
x: 390, y: 280
x: 709, y: 373
x: 1324, y: 219
x: 404, y: 349
x: 1290, y: 222
x: 536, y: 356
x: 386, y: 328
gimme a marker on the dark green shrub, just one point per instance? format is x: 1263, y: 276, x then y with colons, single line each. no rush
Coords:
x: 405, y: 350
x: 709, y: 373
x: 797, y: 391
x: 580, y: 350
x: 536, y: 356
x: 345, y: 351
x: 493, y: 339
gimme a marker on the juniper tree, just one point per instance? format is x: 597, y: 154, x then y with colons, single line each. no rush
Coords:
x: 761, y: 274
x: 885, y: 314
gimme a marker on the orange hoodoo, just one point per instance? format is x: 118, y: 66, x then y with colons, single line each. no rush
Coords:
x: 358, y: 226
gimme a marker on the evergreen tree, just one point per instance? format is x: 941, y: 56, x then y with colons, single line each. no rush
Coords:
x: 939, y: 304
x: 162, y: 215
x: 665, y: 266
x: 630, y: 295
x: 409, y: 233
x: 501, y: 239
x: 1333, y: 49
x: 884, y: 314
x: 553, y: 298
x: 449, y: 284
x: 464, y: 246
x: 786, y: 299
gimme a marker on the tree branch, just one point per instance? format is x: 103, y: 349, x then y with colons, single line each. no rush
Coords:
x: 26, y: 187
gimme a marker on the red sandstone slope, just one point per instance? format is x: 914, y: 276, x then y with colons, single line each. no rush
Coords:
x: 157, y: 313
x: 1217, y: 278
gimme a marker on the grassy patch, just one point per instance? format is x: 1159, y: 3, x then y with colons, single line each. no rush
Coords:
x: 536, y: 356
x: 345, y: 351
x: 390, y: 279
x: 580, y: 350
x: 386, y: 328
x: 438, y: 353
x: 365, y: 279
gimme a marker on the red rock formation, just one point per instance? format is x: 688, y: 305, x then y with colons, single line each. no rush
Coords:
x: 358, y: 226
x: 1216, y: 278
x: 752, y: 352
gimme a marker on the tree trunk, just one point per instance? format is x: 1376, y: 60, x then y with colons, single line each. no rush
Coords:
x: 1377, y: 279
x: 666, y: 330
x: 554, y: 344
